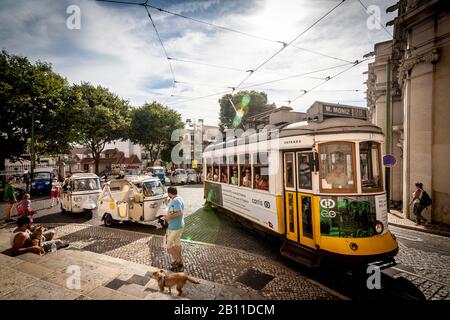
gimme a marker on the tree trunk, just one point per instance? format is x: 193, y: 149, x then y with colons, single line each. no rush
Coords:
x: 97, y: 162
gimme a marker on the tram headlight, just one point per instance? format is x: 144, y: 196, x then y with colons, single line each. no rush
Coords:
x: 353, y: 246
x: 378, y: 227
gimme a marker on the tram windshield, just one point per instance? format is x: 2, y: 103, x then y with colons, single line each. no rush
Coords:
x: 337, y: 167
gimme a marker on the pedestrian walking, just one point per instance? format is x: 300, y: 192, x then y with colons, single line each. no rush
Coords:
x: 421, y: 200
x: 56, y: 187
x: 175, y: 220
x: 9, y: 198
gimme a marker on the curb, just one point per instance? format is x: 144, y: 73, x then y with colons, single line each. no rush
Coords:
x: 436, y: 232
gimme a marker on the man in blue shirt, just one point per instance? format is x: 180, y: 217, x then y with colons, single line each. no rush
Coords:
x: 175, y: 227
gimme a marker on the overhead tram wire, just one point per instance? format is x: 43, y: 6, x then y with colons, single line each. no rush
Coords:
x: 165, y: 52
x: 227, y: 67
x: 223, y: 28
x: 328, y: 79
x: 285, y: 45
x: 262, y: 83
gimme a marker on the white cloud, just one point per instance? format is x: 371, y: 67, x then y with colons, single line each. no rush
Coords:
x: 117, y: 48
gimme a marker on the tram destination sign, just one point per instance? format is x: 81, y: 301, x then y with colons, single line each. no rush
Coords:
x: 343, y: 111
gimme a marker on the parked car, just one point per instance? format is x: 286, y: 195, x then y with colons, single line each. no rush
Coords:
x: 79, y: 193
x: 135, y: 198
x: 179, y: 176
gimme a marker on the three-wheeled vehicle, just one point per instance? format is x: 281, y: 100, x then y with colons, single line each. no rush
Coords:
x: 79, y: 193
x: 41, y: 182
x: 134, y: 198
x: 191, y: 176
x: 159, y: 172
x: 179, y: 176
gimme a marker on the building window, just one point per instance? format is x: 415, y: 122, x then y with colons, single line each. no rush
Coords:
x: 337, y: 167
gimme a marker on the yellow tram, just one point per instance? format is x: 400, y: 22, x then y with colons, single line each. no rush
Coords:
x: 318, y: 185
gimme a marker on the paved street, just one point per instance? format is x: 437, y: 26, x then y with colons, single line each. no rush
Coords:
x: 219, y: 249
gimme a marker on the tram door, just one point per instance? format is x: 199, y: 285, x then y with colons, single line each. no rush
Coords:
x: 298, y: 197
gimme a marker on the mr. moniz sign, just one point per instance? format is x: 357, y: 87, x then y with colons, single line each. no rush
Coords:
x: 322, y: 110
x: 350, y: 112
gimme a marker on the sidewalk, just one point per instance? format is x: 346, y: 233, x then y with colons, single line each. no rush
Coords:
x: 118, y: 264
x: 102, y: 277
x: 396, y: 218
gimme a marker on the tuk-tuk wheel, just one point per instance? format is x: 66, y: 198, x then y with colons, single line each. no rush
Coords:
x: 108, y: 220
x: 88, y: 214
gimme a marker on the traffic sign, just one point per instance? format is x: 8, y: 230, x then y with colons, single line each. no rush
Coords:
x: 389, y: 160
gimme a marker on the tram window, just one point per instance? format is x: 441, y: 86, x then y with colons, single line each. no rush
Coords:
x: 369, y: 159
x: 305, y: 163
x: 209, y: 170
x: 246, y: 173
x: 289, y: 170
x: 224, y: 170
x: 233, y: 169
x: 291, y: 213
x: 260, y: 171
x: 246, y: 170
x: 307, y: 217
x: 216, y: 173
x: 336, y: 167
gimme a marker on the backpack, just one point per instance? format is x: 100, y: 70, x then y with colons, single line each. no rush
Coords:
x: 425, y: 200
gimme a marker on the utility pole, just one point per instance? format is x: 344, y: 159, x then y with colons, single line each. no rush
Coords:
x: 388, y: 132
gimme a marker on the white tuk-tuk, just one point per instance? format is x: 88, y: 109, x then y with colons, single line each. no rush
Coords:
x: 79, y: 193
x: 135, y: 198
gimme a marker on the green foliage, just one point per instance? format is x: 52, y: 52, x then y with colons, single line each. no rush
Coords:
x: 152, y: 126
x: 247, y: 103
x: 96, y: 117
x: 26, y: 88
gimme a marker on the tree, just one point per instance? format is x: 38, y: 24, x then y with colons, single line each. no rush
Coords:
x: 152, y: 126
x: 247, y: 103
x: 26, y: 91
x: 98, y: 117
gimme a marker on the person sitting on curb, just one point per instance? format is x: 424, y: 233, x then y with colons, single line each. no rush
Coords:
x: 21, y: 239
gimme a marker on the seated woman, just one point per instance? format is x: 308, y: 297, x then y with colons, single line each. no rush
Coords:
x: 261, y: 183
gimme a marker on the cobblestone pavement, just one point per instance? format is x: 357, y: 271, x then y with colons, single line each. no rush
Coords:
x: 424, y: 258
x: 210, y: 262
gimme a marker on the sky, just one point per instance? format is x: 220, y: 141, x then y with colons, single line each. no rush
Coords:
x: 117, y: 47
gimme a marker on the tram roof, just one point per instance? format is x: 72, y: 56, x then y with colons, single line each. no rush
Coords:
x: 327, y: 126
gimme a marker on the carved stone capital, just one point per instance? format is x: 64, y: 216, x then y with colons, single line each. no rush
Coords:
x: 407, y: 64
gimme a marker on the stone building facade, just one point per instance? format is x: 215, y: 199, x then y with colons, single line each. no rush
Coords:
x: 420, y: 61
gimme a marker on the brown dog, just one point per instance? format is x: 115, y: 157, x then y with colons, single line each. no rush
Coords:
x: 174, y: 279
x: 37, y: 236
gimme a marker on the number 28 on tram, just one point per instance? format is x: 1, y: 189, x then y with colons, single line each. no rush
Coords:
x: 318, y: 186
